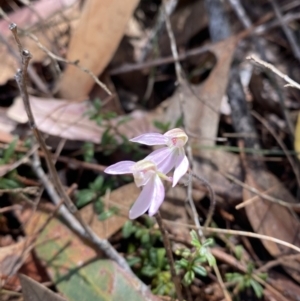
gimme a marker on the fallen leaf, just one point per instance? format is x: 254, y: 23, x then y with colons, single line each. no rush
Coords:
x: 70, y: 120
x: 34, y: 291
x: 12, y: 258
x: 122, y: 198
x: 272, y: 219
x: 201, y: 103
x: 209, y: 166
x: 76, y: 269
x: 94, y: 41
x: 31, y: 267
x: 51, y: 32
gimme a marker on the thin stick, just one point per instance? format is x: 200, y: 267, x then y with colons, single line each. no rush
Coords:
x: 57, y: 191
x: 100, y: 244
x: 168, y: 248
x: 74, y: 63
x: 212, y: 195
x: 291, y: 83
x: 240, y: 233
x: 289, y: 34
x: 281, y: 144
x: 261, y: 194
x: 21, y: 78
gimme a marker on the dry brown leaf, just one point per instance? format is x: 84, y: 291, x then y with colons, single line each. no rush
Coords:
x: 285, y: 285
x: 51, y: 32
x: 202, y: 102
x: 209, y: 167
x: 12, y: 258
x: 122, y: 198
x: 70, y: 120
x: 94, y: 42
x: 272, y: 219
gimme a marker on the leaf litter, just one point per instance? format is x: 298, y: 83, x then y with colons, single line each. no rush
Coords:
x: 69, y: 106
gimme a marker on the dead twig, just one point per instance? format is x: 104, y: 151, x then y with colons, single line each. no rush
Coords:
x: 281, y: 144
x: 289, y: 34
x: 291, y: 83
x: 21, y: 78
x: 56, y: 190
x: 239, y: 233
x: 74, y: 63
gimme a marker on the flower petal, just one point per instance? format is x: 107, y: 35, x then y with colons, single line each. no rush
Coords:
x: 181, y: 168
x: 143, y: 201
x: 150, y: 139
x: 159, y: 155
x: 120, y: 168
x: 157, y: 196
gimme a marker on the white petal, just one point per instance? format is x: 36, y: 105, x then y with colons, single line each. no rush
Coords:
x: 181, y: 168
x: 150, y: 139
x: 158, y: 155
x: 157, y: 196
x: 168, y: 163
x: 143, y: 201
x: 120, y: 168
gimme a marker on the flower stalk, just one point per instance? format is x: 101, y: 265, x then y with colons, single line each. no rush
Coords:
x: 167, y: 245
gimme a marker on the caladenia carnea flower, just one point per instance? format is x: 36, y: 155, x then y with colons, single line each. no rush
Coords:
x: 145, y: 174
x: 171, y: 156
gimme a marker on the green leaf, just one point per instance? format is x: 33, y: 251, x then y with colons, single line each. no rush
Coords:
x: 188, y: 278
x: 200, y: 270
x: 210, y: 259
x: 164, y: 127
x: 99, y: 206
x: 234, y: 277
x: 149, y: 271
x: 133, y: 261
x: 84, y: 196
x: 145, y: 238
x: 76, y: 269
x: 194, y: 239
x: 97, y: 103
x: 108, y: 213
x: 161, y: 256
x: 182, y: 263
x: 208, y: 242
x: 128, y: 229
x: 88, y: 151
x: 97, y: 184
x: 258, y: 289
x: 7, y: 183
x: 263, y: 276
x: 8, y: 153
x: 238, y: 250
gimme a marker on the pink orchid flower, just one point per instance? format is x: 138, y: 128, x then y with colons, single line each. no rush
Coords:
x: 145, y: 174
x: 173, y: 155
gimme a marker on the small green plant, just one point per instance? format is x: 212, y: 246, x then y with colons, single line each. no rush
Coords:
x: 96, y: 114
x: 88, y: 149
x: 191, y: 263
x: 147, y: 257
x: 164, y: 127
x: 244, y: 281
x: 94, y: 192
x: 9, y: 181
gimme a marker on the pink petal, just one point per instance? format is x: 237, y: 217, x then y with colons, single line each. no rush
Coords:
x: 120, y: 168
x: 158, y: 196
x: 164, y: 158
x: 150, y: 139
x: 143, y: 201
x: 181, y: 168
x: 159, y: 155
